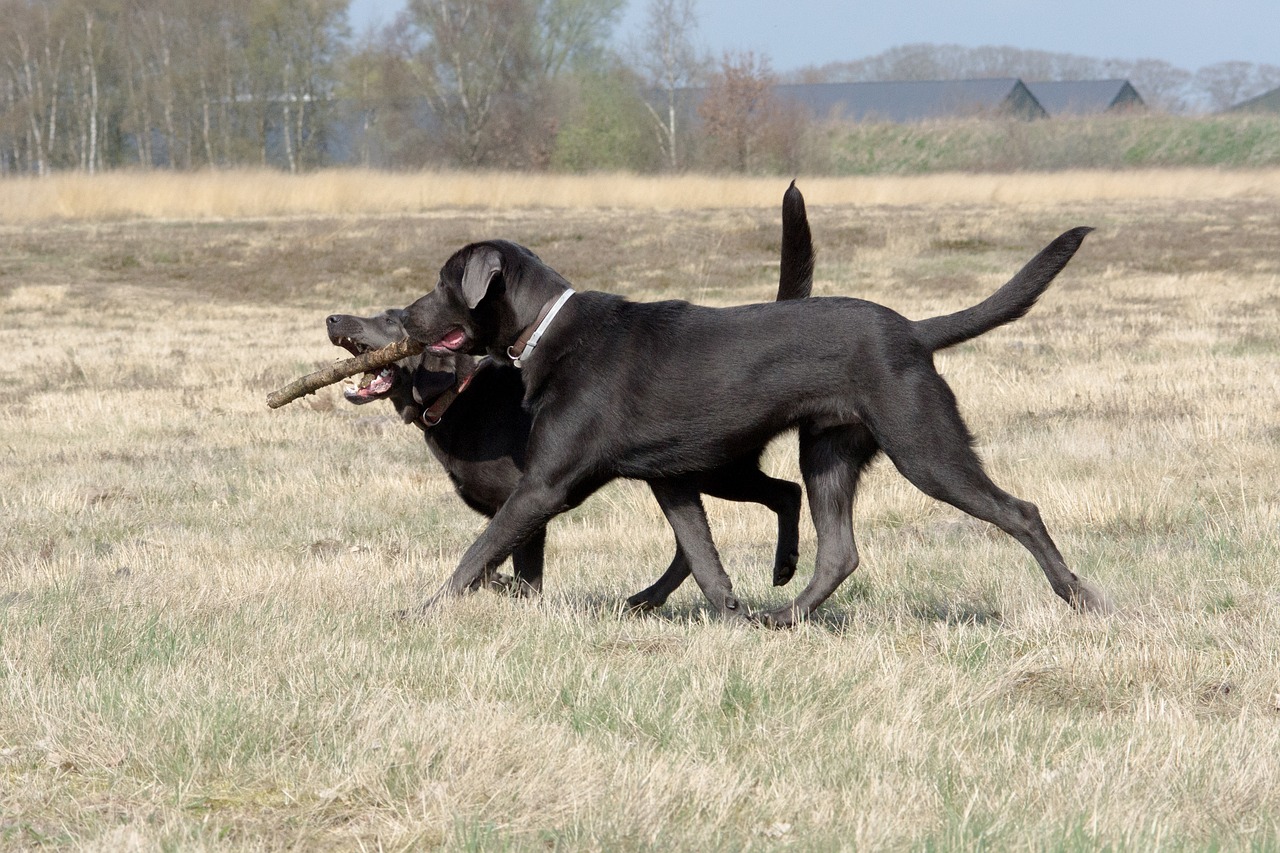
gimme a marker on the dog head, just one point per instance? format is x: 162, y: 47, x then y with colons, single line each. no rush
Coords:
x: 487, y: 293
x: 412, y: 384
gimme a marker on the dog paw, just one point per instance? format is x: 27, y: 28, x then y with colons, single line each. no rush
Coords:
x: 1089, y: 599
x: 734, y: 611
x: 645, y: 602
x: 779, y: 619
x: 498, y: 583
x: 641, y: 606
x: 423, y: 611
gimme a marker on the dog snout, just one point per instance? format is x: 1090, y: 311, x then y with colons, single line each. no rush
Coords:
x: 413, y: 325
x: 342, y: 326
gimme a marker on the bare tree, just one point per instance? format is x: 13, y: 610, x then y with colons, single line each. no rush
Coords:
x: 381, y: 85
x: 479, y: 57
x: 155, y: 39
x: 34, y: 50
x: 667, y: 58
x: 475, y: 53
x: 365, y: 84
x: 89, y: 97
x: 297, y: 56
x: 1268, y: 77
x: 1227, y: 83
x: 1163, y: 86
x: 737, y: 106
x: 572, y: 30
x: 214, y: 42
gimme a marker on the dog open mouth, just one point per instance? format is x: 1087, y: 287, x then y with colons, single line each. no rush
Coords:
x: 453, y: 341
x: 369, y: 386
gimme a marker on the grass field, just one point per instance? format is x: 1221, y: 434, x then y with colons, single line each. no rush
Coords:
x: 115, y: 196
x: 195, y: 647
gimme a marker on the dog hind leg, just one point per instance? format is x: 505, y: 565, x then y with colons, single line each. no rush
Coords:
x: 832, y: 461
x: 931, y: 446
x: 745, y: 484
x: 748, y: 484
x: 527, y: 560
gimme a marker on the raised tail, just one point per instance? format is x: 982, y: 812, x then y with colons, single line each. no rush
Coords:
x: 1008, y: 303
x: 795, y: 281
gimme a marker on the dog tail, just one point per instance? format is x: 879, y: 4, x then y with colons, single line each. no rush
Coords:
x: 795, y: 281
x: 1008, y: 303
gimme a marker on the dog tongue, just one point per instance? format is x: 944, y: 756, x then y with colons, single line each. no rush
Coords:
x: 453, y: 340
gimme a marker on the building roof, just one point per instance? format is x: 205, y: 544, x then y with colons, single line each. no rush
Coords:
x: 1086, y: 97
x: 914, y: 100
x: 1267, y: 102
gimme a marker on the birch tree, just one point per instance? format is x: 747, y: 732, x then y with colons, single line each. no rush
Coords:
x: 669, y: 62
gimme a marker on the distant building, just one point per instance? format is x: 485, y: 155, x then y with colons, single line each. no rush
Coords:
x: 1087, y: 97
x: 914, y: 100
x: 908, y: 101
x: 1267, y: 102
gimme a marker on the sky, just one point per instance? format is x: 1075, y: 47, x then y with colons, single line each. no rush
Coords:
x: 796, y: 33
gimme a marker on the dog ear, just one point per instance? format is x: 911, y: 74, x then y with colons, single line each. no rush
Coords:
x: 482, y: 266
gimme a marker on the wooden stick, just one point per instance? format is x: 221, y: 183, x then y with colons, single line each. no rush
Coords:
x: 364, y: 363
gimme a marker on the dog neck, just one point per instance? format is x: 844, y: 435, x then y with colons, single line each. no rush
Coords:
x: 528, y: 339
x: 433, y: 414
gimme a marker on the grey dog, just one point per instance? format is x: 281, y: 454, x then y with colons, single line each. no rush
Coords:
x: 473, y: 420
x: 662, y: 391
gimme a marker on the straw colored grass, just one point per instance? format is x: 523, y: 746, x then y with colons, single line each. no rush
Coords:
x: 230, y: 195
x: 195, y: 651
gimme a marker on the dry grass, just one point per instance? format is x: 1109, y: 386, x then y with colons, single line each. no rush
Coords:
x: 194, y: 652
x: 231, y: 195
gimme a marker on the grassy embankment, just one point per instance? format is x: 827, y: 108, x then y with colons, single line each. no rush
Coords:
x: 1141, y: 142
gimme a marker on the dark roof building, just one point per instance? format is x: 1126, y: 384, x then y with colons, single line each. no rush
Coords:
x: 914, y: 100
x: 1086, y: 97
x: 1267, y: 102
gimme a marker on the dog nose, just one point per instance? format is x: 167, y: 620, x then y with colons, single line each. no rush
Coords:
x: 331, y: 319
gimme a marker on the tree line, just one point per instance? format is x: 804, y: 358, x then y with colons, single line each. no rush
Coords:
x: 183, y: 84
x: 98, y: 84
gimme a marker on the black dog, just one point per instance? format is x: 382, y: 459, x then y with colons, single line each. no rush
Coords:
x: 664, y: 390
x: 481, y: 441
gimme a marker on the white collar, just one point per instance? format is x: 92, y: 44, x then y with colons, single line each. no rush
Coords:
x: 517, y: 358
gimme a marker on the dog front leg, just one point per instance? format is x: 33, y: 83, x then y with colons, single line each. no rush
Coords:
x: 654, y: 596
x: 682, y: 505
x: 526, y: 512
